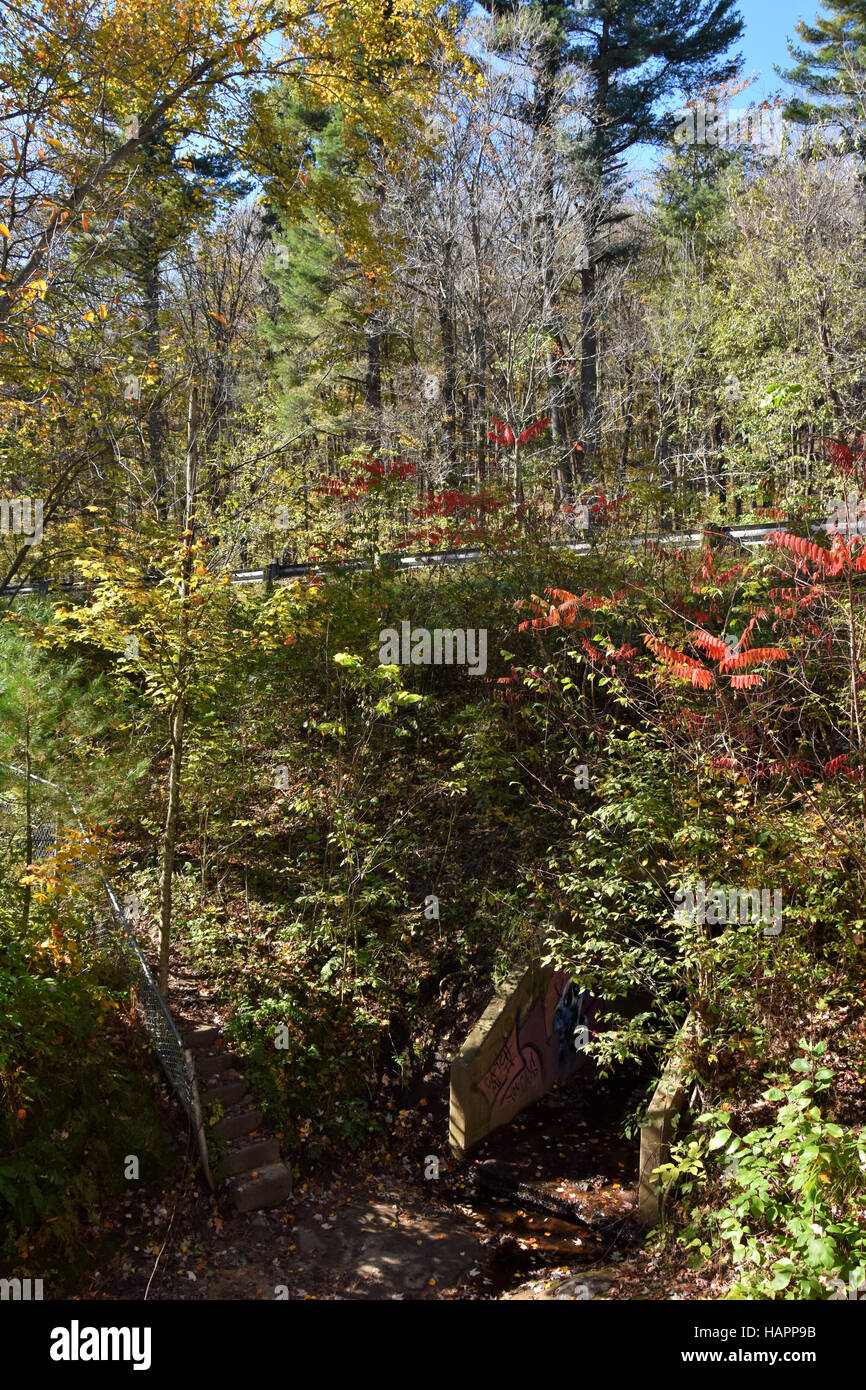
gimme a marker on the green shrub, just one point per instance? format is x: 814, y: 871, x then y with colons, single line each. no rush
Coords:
x: 73, y: 1100
x: 793, y: 1219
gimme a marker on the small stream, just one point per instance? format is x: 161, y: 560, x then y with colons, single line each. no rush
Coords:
x: 568, y: 1146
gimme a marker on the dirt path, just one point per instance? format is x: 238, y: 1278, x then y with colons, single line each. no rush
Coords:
x: 377, y: 1228
x: 389, y: 1233
x: 361, y: 1239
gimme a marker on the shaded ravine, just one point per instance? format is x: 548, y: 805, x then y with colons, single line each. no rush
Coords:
x: 557, y: 1187
x: 378, y: 1226
x: 386, y: 1232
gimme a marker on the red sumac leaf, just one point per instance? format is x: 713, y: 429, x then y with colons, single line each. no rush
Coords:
x: 713, y: 646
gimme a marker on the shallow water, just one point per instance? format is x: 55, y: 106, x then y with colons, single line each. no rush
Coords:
x: 569, y: 1145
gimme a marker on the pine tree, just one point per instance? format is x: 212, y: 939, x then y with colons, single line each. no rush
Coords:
x: 178, y: 190
x: 326, y: 309
x: 312, y: 318
x: 830, y: 70
x: 693, y: 190
x: 639, y: 55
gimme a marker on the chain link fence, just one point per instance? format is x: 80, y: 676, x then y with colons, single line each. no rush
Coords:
x: 111, y: 931
x: 43, y: 833
x: 116, y: 937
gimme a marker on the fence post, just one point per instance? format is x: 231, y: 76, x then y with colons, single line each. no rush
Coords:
x: 145, y: 995
x: 197, y: 1115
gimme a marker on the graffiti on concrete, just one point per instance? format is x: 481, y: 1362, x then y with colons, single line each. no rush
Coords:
x: 572, y: 1021
x: 518, y: 1068
x: 542, y: 1049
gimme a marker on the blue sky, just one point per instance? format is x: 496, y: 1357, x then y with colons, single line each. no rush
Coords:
x: 769, y: 24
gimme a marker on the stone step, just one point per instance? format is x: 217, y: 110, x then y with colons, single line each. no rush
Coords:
x: 263, y: 1187
x: 211, y: 1063
x: 199, y: 1037
x: 241, y: 1119
x: 260, y: 1154
x: 227, y: 1088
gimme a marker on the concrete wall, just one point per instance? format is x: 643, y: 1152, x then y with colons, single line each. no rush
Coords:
x: 668, y: 1102
x: 527, y: 1040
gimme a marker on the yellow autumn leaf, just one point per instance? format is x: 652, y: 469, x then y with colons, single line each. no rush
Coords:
x: 4, y: 231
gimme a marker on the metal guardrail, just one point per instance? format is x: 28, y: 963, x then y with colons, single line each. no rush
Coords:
x: 116, y: 936
x: 432, y: 559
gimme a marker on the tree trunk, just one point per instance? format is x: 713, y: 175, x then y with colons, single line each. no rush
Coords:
x: 169, y: 843
x: 589, y: 405
x: 178, y: 707
x: 589, y: 402
x: 155, y: 414
x: 373, y: 377
x: 449, y: 375
x: 721, y: 483
x: 479, y: 334
x: 544, y: 114
x: 28, y: 827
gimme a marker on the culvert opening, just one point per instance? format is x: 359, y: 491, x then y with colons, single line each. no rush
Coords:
x: 558, y: 1186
